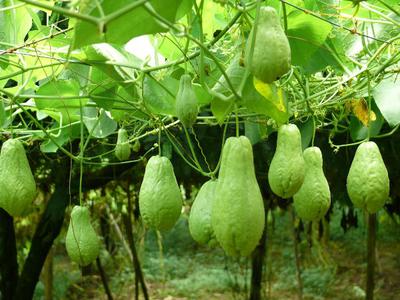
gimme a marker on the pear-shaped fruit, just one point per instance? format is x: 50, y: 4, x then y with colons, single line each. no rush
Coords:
x: 368, y: 179
x: 186, y: 102
x: 17, y: 185
x: 271, y: 56
x: 237, y: 214
x: 286, y: 172
x: 81, y: 242
x: 200, y: 214
x: 313, y: 199
x: 160, y: 199
x: 122, y: 149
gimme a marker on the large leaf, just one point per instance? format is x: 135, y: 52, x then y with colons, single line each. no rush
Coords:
x: 121, y: 29
x: 111, y: 59
x: 270, y: 102
x: 254, y: 130
x: 387, y: 98
x: 15, y: 23
x: 306, y: 35
x: 221, y: 109
x: 56, y: 98
x: 60, y: 137
x: 326, y: 55
x: 307, y: 132
x: 159, y: 96
x: 99, y: 124
x: 235, y: 73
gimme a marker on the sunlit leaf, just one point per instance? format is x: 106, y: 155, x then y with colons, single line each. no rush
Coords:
x: 121, y: 29
x: 387, y: 98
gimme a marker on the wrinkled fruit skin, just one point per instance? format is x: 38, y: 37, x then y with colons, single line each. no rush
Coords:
x: 313, y: 199
x: 81, y: 241
x: 122, y: 149
x: 160, y: 199
x: 200, y: 226
x: 186, y: 102
x: 287, y: 170
x: 368, y: 179
x: 271, y: 56
x: 237, y: 214
x: 17, y: 185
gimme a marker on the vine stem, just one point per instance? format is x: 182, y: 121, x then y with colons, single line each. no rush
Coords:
x: 159, y: 141
x: 195, y: 159
x: 182, y: 156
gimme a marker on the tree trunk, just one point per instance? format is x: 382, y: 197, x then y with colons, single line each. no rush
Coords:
x: 371, y: 244
x: 257, y: 266
x: 47, y: 276
x: 8, y: 257
x: 46, y: 232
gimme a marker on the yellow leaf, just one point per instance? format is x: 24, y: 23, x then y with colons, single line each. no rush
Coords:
x: 360, y: 110
x: 271, y: 93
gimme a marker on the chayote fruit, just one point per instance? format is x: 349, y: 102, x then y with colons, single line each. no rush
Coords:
x: 122, y: 149
x: 368, y: 179
x: 271, y: 56
x: 160, y: 199
x: 81, y: 241
x: 313, y: 199
x: 286, y: 172
x: 237, y: 215
x: 186, y: 102
x: 200, y: 215
x: 17, y: 185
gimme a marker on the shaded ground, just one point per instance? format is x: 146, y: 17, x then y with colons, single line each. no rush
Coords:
x: 189, y: 271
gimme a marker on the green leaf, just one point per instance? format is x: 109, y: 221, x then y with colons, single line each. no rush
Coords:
x: 221, y: 109
x: 159, y: 96
x: 121, y: 29
x: 14, y: 23
x: 110, y: 59
x: 254, y: 130
x: 101, y: 85
x: 127, y: 108
x: 203, y: 97
x: 184, y: 8
x: 235, y: 73
x: 59, y: 101
x: 99, y: 125
x: 307, y: 131
x: 306, y: 35
x: 326, y: 56
x: 256, y: 103
x: 216, y: 16
x: 5, y: 116
x: 61, y: 137
x: 387, y: 98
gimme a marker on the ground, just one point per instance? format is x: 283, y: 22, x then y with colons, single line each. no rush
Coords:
x: 190, y: 271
